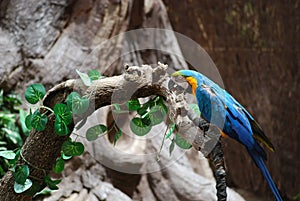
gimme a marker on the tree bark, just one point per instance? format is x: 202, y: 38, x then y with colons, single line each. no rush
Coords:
x: 45, y: 41
x: 255, y: 47
x: 147, y: 81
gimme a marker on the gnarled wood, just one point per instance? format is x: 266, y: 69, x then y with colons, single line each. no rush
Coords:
x: 146, y: 82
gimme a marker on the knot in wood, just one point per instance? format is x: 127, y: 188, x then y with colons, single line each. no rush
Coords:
x: 138, y: 74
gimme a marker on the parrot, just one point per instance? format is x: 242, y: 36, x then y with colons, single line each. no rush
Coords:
x: 218, y: 107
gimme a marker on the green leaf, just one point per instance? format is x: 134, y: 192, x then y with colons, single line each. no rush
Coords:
x: 21, y: 173
x: 117, y: 107
x: 171, y: 131
x: 59, y: 165
x: 22, y: 114
x: 85, y: 78
x: 157, y: 114
x: 194, y: 107
x: 35, y: 188
x: 64, y: 156
x: 133, y: 105
x: 72, y: 148
x: 13, y: 136
x: 28, y: 120
x: 140, y: 126
x: 38, y: 121
x: 20, y: 188
x: 52, y: 184
x: 93, y: 132
x: 7, y: 119
x: 8, y: 154
x: 171, y: 148
x: 14, y: 160
x: 182, y: 143
x: 62, y: 113
x: 34, y: 93
x: 117, y: 136
x: 61, y: 128
x: 12, y: 99
x: 2, y: 172
x: 77, y: 104
x: 44, y: 192
x: 94, y: 74
x: 143, y: 110
x: 158, y: 100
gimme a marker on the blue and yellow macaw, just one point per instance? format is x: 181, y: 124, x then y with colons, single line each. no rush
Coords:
x: 219, y: 108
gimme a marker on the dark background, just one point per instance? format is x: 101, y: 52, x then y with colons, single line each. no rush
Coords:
x: 255, y: 46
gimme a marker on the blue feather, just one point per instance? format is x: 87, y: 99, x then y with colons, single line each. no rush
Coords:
x: 219, y: 108
x: 261, y: 165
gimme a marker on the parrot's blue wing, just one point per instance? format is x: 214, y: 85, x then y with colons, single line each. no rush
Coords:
x: 220, y: 108
x: 257, y: 132
x: 237, y: 122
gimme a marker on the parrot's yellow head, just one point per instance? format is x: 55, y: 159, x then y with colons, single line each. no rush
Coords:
x: 190, y: 77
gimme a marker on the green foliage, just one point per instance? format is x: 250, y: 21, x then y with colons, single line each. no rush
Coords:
x: 34, y: 93
x: 14, y: 160
x: 157, y: 114
x: 20, y: 188
x: 93, y: 132
x: 38, y: 121
x: 84, y: 78
x: 71, y: 148
x: 34, y: 189
x: 77, y: 104
x: 8, y: 154
x: 28, y: 120
x: 171, y: 131
x: 150, y: 114
x: 20, y: 174
x: 117, y: 136
x: 64, y: 156
x: 182, y: 143
x: 94, y: 74
x: 22, y: 115
x: 11, y: 137
x: 59, y: 165
x: 61, y: 127
x: 52, y: 184
x: 133, y: 105
x: 194, y: 107
x: 62, y: 113
x: 88, y: 79
x: 143, y: 109
x: 172, y: 146
x: 63, y: 117
x: 140, y: 126
x: 177, y: 140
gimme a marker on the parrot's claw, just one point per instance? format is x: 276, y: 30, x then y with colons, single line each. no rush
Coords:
x: 203, y: 125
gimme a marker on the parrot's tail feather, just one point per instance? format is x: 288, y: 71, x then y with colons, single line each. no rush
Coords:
x: 261, y: 165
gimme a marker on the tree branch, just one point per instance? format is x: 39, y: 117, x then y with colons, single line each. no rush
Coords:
x: 42, y: 148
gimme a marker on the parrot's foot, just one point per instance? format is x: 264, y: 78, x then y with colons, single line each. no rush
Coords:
x: 203, y: 125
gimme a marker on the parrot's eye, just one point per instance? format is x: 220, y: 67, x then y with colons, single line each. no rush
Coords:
x: 179, y: 79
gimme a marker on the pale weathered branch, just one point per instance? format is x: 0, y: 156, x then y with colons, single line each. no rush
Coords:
x: 42, y: 148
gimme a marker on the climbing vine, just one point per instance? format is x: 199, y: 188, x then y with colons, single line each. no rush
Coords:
x: 146, y: 113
